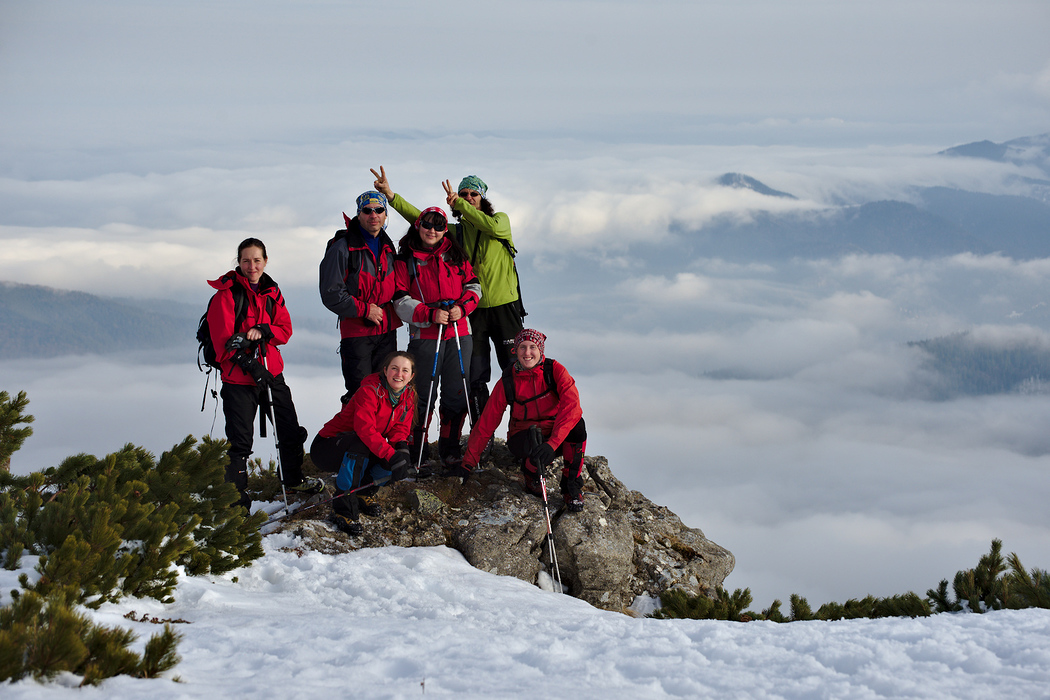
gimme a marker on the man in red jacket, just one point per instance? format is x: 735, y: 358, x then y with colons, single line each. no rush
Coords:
x: 356, y: 281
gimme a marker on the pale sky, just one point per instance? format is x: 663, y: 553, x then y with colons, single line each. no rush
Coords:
x: 128, y: 75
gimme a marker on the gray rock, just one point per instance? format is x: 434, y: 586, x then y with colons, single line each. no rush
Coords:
x: 621, y: 546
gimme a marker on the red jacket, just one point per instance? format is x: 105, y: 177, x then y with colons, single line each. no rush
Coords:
x: 369, y: 413
x: 426, y: 276
x: 221, y: 320
x: 351, y: 278
x: 557, y: 412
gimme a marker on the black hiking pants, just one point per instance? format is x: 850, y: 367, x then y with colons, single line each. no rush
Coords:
x: 361, y: 356
x: 240, y: 406
x: 498, y: 324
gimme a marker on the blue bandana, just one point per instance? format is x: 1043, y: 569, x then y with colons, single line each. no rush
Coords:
x: 371, y: 199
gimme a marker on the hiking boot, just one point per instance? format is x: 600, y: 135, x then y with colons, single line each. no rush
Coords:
x: 345, y: 524
x: 572, y: 493
x: 309, y: 486
x: 369, y: 505
x: 532, y: 483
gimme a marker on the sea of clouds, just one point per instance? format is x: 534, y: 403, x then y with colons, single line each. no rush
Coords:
x: 776, y: 406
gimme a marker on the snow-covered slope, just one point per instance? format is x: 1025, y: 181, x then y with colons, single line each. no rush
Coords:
x: 406, y: 623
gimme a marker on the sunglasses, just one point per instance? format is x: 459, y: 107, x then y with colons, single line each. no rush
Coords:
x: 373, y: 210
x: 467, y: 193
x: 437, y: 227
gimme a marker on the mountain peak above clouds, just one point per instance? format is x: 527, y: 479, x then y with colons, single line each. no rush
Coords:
x: 741, y: 181
x: 1027, y: 150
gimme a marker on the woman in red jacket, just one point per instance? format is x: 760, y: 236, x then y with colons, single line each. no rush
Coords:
x: 247, y: 320
x: 367, y: 441
x: 436, y: 291
x: 545, y: 401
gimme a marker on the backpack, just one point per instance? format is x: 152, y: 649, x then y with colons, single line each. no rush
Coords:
x: 548, y: 379
x: 512, y: 252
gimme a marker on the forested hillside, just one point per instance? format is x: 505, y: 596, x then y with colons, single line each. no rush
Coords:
x: 966, y: 366
x: 45, y: 322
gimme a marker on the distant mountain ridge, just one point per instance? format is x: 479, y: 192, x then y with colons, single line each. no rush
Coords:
x: 937, y: 221
x: 964, y: 366
x: 44, y: 322
x: 1028, y: 150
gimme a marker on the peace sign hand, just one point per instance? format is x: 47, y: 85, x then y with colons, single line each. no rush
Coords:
x: 382, y: 184
x: 450, y: 194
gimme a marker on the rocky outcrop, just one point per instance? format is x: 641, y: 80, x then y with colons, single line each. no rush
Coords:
x: 621, y: 546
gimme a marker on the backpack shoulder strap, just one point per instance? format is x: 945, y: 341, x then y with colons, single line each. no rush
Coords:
x: 508, y: 383
x: 240, y: 305
x: 548, y: 374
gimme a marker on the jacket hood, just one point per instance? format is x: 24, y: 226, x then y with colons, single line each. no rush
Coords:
x: 226, y: 281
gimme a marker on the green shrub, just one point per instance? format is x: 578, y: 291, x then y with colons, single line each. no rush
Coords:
x: 120, y: 525
x: 103, y: 529
x: 993, y: 585
x: 723, y: 606
x: 43, y: 637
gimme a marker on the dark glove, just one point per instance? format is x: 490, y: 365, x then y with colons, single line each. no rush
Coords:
x: 253, y: 369
x: 398, y: 465
x: 239, y: 341
x: 542, y: 455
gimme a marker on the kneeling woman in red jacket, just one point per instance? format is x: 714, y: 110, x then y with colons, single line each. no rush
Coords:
x: 367, y: 441
x: 247, y: 320
x: 544, y: 401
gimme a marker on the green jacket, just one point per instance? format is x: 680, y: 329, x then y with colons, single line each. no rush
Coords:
x: 482, y: 237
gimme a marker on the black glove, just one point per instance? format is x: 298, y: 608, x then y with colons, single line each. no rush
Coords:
x: 253, y: 369
x: 398, y: 465
x: 239, y: 341
x: 542, y: 455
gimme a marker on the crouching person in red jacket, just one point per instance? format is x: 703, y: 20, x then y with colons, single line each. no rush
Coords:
x: 545, y: 419
x: 367, y: 441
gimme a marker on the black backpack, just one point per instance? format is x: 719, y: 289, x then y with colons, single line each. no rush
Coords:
x: 548, y: 379
x: 511, y: 250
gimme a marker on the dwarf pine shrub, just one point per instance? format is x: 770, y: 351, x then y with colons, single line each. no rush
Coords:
x: 43, y: 637
x: 723, y: 606
x: 120, y: 525
x: 103, y: 529
x: 12, y: 414
x: 994, y: 584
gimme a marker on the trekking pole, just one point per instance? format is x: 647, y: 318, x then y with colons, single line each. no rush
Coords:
x: 288, y: 514
x: 463, y: 373
x: 550, y: 533
x: 268, y: 411
x: 430, y: 393
x: 535, y: 438
x: 276, y: 443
